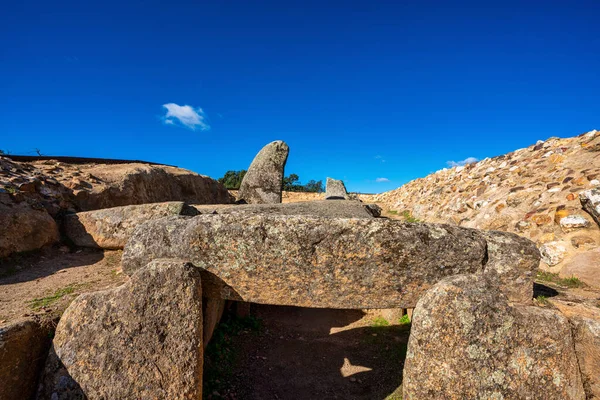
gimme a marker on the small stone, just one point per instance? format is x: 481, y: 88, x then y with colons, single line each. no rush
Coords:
x: 553, y: 253
x: 561, y: 212
x: 547, y: 237
x: 541, y: 219
x: 573, y: 222
x: 522, y: 226
x: 582, y: 242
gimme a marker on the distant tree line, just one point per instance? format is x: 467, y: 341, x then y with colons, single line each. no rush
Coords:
x: 291, y: 183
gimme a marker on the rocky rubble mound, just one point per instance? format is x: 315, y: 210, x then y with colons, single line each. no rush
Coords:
x: 59, y: 186
x: 544, y: 192
x: 35, y: 196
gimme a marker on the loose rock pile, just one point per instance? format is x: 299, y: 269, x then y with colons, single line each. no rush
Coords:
x: 548, y: 192
x: 35, y: 196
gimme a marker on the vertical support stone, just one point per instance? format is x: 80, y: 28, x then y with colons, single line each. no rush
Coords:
x: 212, y: 312
x: 142, y: 340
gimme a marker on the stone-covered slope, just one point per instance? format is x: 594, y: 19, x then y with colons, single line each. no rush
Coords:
x: 534, y: 192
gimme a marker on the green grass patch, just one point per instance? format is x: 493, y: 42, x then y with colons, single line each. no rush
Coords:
x: 542, y: 300
x: 221, y: 355
x: 408, y: 217
x: 42, y: 302
x: 404, y: 320
x: 571, y: 282
x: 379, y: 322
x: 393, y: 212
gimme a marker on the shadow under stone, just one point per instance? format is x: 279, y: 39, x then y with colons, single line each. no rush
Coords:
x: 543, y: 290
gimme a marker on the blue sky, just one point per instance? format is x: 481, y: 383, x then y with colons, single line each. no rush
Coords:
x: 360, y: 90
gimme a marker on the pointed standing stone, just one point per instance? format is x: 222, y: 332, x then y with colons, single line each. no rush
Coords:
x: 263, y: 182
x: 335, y: 190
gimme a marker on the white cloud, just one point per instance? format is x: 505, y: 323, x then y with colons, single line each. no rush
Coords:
x: 468, y: 160
x: 188, y: 116
x: 382, y: 180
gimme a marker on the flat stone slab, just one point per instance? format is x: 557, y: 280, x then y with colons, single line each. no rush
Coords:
x: 312, y: 261
x: 110, y: 228
x: 319, y: 208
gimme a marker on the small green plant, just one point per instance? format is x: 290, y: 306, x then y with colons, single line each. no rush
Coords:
x: 542, y: 300
x: 572, y: 282
x: 408, y: 217
x: 393, y: 212
x: 39, y: 303
x: 404, y: 320
x: 11, y: 189
x: 379, y: 322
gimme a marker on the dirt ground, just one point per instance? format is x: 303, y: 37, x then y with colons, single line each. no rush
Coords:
x: 41, y: 285
x: 302, y: 353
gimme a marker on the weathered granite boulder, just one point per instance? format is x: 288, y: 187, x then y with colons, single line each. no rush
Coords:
x: 590, y: 202
x: 23, y: 348
x: 585, y: 322
x: 335, y: 190
x: 142, y: 340
x: 510, y: 262
x: 467, y: 342
x: 24, y: 228
x: 110, y: 228
x: 263, y: 182
x: 126, y: 184
x: 318, y: 208
x: 309, y: 261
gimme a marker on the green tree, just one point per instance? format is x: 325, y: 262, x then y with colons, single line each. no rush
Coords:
x: 291, y: 183
x: 314, y: 186
x: 232, y: 179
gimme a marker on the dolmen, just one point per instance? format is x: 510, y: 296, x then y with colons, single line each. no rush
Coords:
x: 145, y: 339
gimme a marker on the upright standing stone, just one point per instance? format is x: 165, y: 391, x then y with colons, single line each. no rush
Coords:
x: 335, y: 190
x: 142, y: 340
x: 23, y: 347
x: 263, y: 182
x: 468, y: 342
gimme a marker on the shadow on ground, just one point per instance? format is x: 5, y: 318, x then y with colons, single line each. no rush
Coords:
x: 301, y: 353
